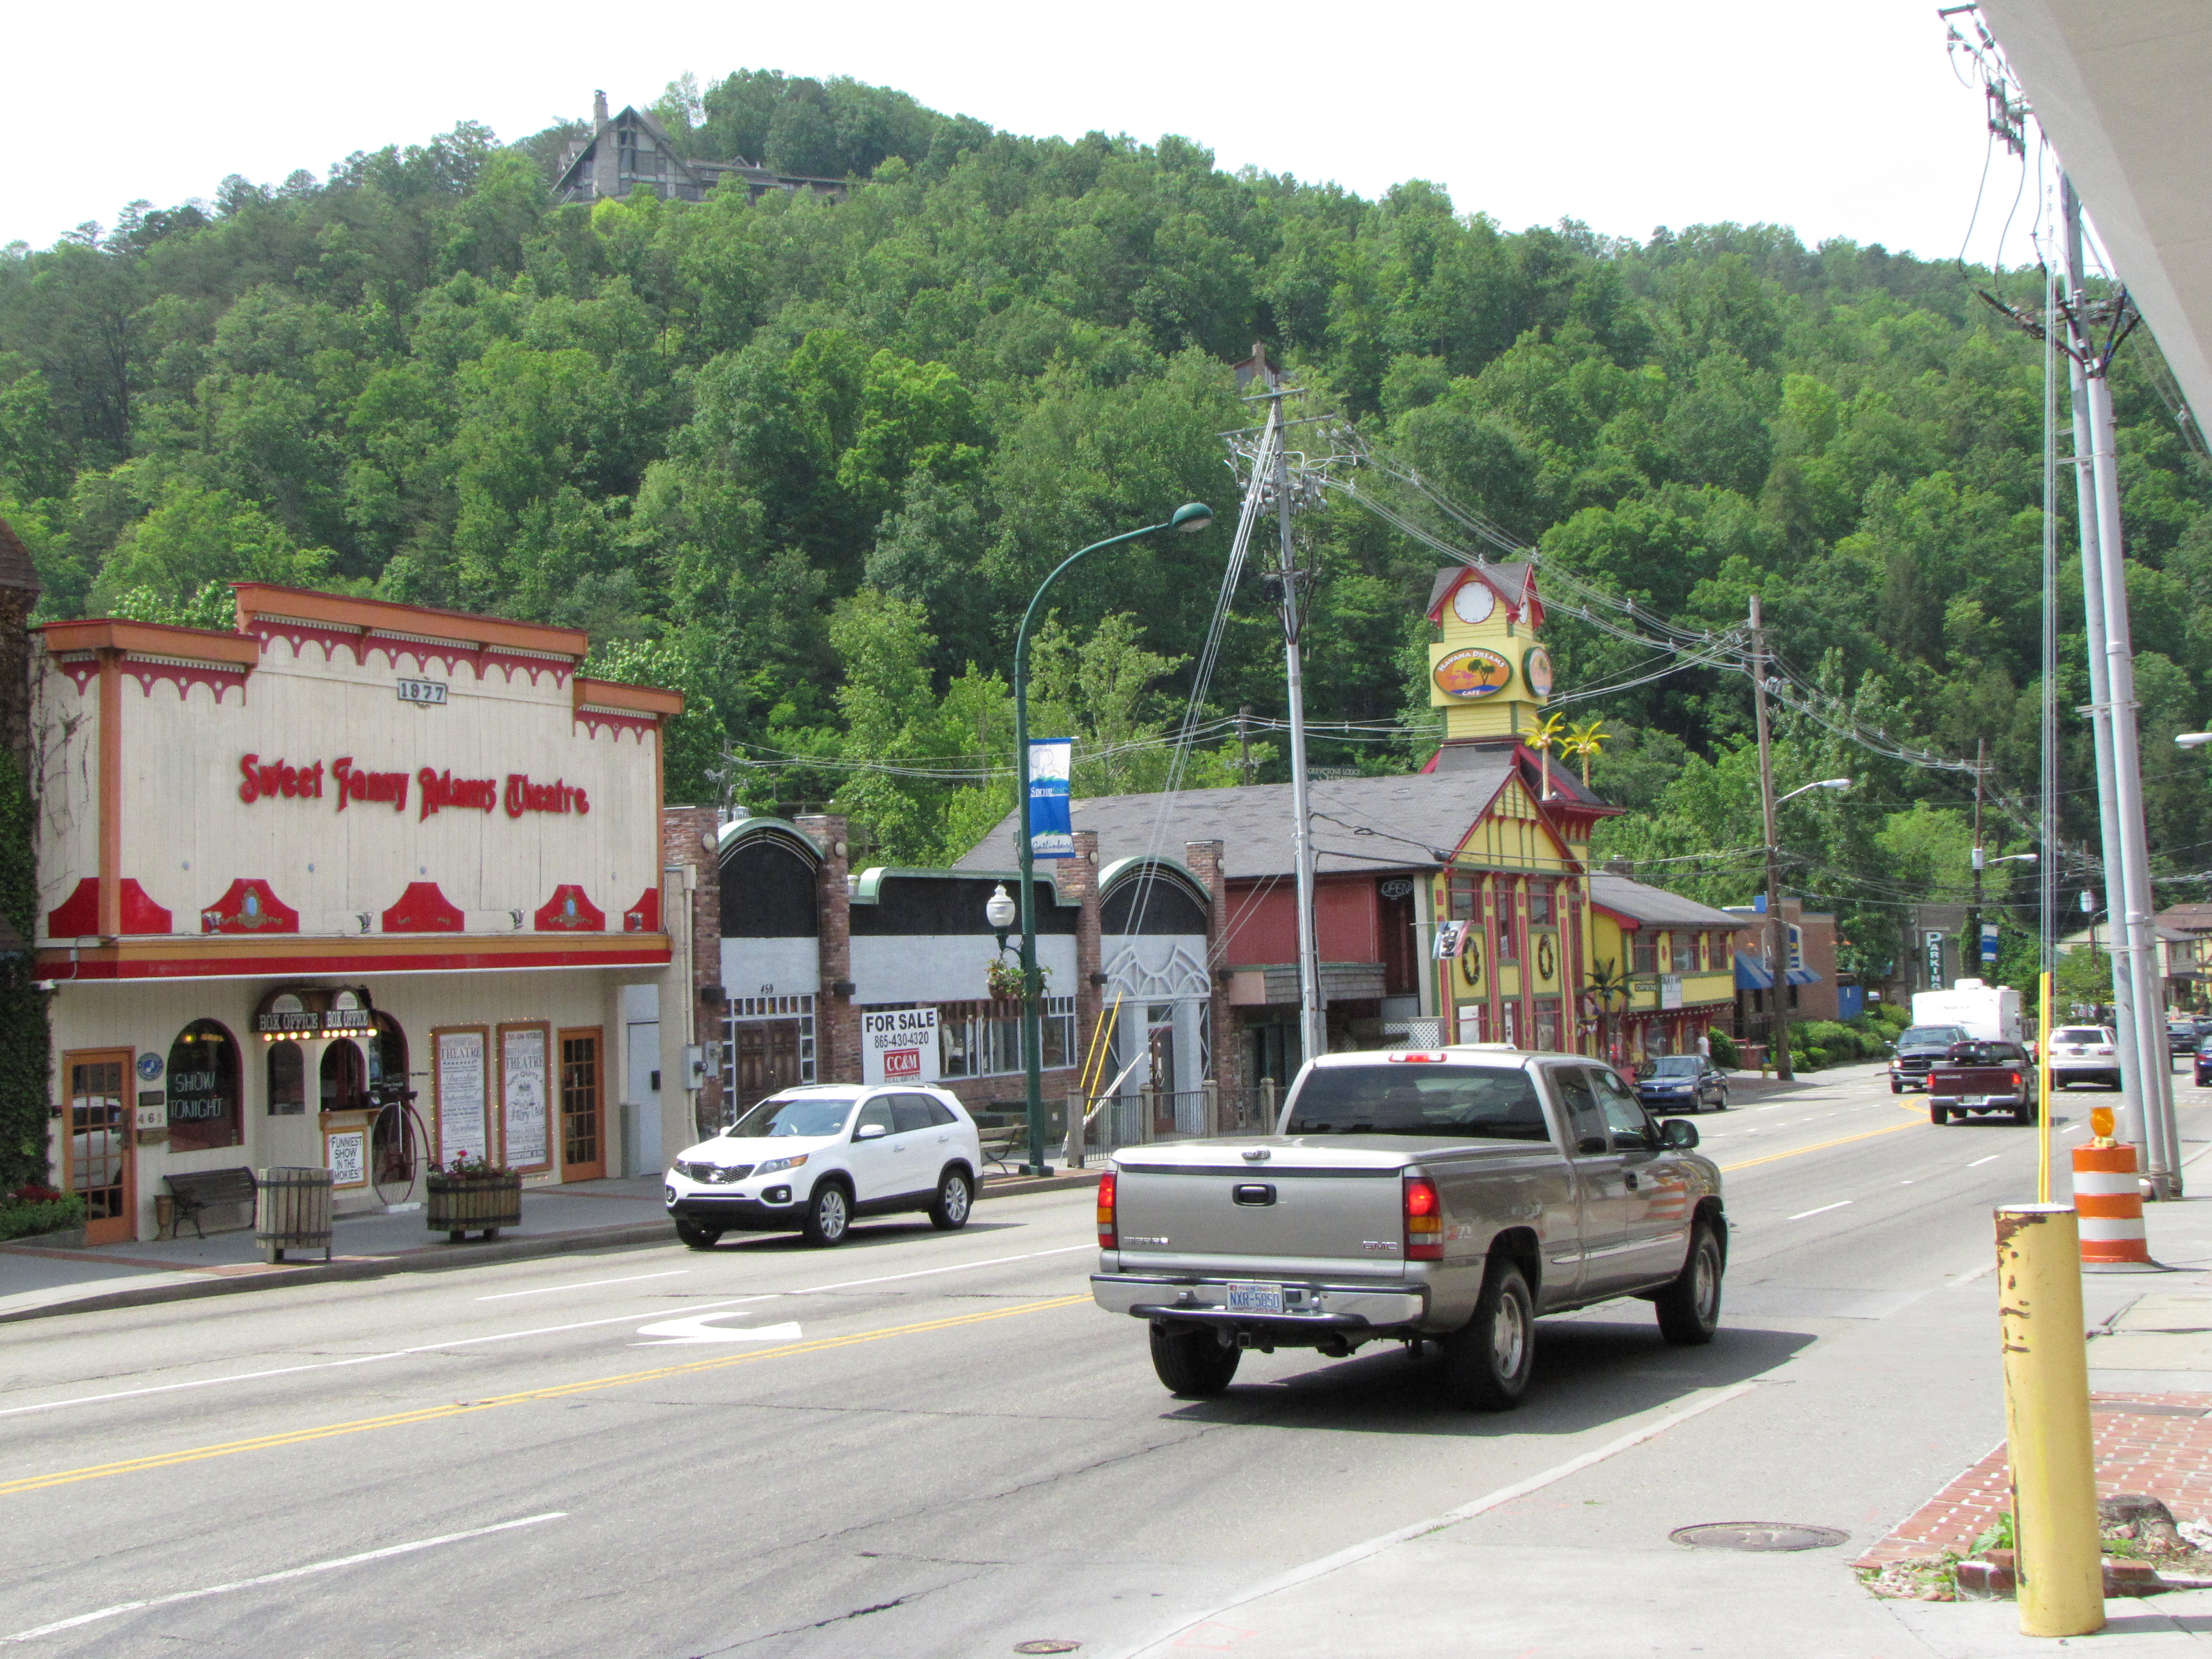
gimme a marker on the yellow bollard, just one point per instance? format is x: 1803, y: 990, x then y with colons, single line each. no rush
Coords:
x: 2046, y: 1375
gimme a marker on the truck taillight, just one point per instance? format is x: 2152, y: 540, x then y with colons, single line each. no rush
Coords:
x: 1109, y: 1237
x: 2015, y: 1079
x: 1425, y: 1220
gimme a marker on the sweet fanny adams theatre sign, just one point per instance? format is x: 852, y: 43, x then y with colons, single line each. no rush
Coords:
x: 291, y: 872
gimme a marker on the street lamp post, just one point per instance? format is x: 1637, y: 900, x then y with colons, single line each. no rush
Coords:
x: 1191, y: 516
x: 1777, y: 931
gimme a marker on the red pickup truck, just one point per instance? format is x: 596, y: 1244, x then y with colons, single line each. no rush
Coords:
x: 1982, y: 1077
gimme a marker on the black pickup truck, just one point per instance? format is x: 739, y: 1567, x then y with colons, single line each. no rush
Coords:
x: 1919, y: 1047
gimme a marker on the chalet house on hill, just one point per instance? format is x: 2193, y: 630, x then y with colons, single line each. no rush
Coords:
x: 631, y: 150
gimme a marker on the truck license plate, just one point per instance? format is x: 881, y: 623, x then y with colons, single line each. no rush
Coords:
x: 1255, y: 1298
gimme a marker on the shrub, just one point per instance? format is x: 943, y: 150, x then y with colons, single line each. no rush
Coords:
x: 1841, y: 1043
x: 32, y: 1210
x: 1724, y: 1049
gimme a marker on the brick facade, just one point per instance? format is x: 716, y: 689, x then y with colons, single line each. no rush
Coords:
x: 836, y: 1014
x: 1204, y: 859
x: 687, y: 842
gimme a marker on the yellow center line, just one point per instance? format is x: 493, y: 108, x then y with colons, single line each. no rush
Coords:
x: 558, y: 1391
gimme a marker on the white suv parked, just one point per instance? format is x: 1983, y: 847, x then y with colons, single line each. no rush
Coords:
x: 2084, y: 1053
x: 812, y: 1160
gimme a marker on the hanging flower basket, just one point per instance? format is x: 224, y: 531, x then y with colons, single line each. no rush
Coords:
x: 1005, y: 979
x: 473, y: 1195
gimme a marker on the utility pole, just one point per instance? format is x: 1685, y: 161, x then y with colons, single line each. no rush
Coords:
x: 1244, y: 743
x: 2146, y: 1083
x: 1974, y: 914
x: 1778, y: 933
x: 1313, y: 1027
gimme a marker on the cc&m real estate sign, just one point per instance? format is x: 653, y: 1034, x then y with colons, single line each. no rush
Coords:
x: 898, y: 1045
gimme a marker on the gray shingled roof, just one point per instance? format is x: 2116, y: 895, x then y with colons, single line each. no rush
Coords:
x: 16, y: 569
x: 1655, y: 904
x: 1359, y: 824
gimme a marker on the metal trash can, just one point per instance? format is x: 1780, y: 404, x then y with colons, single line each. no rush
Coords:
x: 292, y: 1211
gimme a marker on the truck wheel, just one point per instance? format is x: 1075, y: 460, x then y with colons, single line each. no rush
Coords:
x: 2026, y: 1112
x: 1191, y: 1362
x: 1690, y: 1308
x: 697, y: 1236
x: 1939, y: 1115
x: 1895, y: 1087
x: 1487, y: 1361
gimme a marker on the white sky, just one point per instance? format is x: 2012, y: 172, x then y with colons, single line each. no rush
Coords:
x: 1839, y: 120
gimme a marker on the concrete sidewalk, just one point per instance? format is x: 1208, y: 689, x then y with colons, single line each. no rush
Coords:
x: 36, y: 1281
x: 1578, y: 1563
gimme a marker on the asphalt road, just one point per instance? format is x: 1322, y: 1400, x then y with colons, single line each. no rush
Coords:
x: 917, y: 1444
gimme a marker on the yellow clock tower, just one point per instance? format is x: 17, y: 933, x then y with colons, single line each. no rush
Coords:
x: 1488, y: 671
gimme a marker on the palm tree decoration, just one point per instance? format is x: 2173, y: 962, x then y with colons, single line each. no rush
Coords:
x: 1541, y: 740
x: 1587, y: 740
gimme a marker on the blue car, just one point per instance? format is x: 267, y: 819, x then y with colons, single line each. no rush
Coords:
x: 1681, y: 1083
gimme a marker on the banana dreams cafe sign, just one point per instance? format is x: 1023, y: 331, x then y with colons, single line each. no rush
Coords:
x: 315, y: 1011
x: 434, y: 790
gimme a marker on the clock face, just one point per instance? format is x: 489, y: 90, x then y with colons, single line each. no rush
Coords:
x: 1474, y: 601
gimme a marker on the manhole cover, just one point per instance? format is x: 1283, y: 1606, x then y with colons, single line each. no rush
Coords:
x: 1046, y: 1646
x: 1757, y: 1536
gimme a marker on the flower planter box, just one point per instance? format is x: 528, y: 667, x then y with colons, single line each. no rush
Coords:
x: 459, y: 1204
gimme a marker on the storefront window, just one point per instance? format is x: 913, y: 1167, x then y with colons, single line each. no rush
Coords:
x: 387, y: 1055
x: 288, y: 1080
x: 1547, y: 1022
x: 984, y: 1039
x: 344, y: 1077
x: 1466, y: 898
x: 204, y: 1073
x: 1685, y: 952
x: 1509, y: 924
x: 1539, y: 903
x: 1646, y: 954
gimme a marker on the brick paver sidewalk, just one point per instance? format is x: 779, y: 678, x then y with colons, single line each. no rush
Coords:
x: 2156, y: 1443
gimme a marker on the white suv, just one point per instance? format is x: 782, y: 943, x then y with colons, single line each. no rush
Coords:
x: 2084, y: 1053
x: 814, y: 1160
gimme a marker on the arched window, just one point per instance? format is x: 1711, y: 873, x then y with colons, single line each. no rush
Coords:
x: 345, y: 1077
x: 287, y: 1079
x: 202, y: 1083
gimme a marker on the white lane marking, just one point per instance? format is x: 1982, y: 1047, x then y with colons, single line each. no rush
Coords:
x: 589, y: 1284
x: 702, y: 1328
x: 1905, y: 1183
x: 1979, y: 1162
x: 510, y: 1336
x: 1375, y: 1546
x: 280, y: 1577
x: 1823, y: 1210
x: 2076, y: 1128
x: 1968, y: 1279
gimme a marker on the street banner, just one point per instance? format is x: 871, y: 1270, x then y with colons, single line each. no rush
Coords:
x: 1051, y: 834
x: 898, y: 1045
x: 1451, y: 939
x: 1988, y: 941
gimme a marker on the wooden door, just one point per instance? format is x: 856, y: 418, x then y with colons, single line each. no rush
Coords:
x: 583, y: 1112
x: 764, y: 1059
x: 96, y: 1163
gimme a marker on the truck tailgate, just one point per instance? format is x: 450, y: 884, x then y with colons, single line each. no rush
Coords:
x: 1304, y: 1209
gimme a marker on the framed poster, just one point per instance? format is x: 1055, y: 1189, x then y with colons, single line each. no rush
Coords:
x: 345, y: 1155
x: 523, y: 1096
x: 459, y: 1078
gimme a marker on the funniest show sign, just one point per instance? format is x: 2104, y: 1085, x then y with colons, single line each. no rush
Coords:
x: 898, y: 1045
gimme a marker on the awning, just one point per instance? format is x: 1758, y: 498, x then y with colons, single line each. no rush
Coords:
x: 1800, y: 977
x: 1751, y: 973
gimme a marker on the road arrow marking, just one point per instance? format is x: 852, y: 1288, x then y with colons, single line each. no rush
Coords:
x: 703, y: 1327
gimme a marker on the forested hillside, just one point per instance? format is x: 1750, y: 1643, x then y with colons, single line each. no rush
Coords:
x: 808, y: 459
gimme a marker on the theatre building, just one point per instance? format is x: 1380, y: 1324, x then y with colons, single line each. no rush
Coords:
x: 345, y: 849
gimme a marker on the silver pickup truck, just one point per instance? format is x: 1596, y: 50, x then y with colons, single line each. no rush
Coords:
x: 1448, y: 1195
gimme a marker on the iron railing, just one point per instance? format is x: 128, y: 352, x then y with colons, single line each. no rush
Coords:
x: 1099, y: 1124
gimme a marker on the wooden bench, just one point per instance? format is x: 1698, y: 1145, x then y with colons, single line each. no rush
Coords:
x: 191, y: 1195
x: 1003, y: 1146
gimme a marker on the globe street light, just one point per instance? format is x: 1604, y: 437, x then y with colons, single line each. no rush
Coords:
x: 1191, y: 516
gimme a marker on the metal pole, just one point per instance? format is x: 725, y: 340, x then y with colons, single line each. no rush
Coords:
x: 1777, y: 935
x: 2047, y: 871
x: 1032, y: 982
x: 2137, y: 907
x: 1313, y: 1027
x: 2131, y: 1124
x: 2046, y: 1381
x: 1974, y: 915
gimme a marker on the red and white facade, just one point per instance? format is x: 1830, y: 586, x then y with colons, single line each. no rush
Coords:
x: 279, y: 865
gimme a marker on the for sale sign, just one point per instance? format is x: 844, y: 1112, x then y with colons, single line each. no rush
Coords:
x: 898, y: 1045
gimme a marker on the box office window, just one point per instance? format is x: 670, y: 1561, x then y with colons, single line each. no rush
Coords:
x: 288, y: 1080
x: 202, y: 1085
